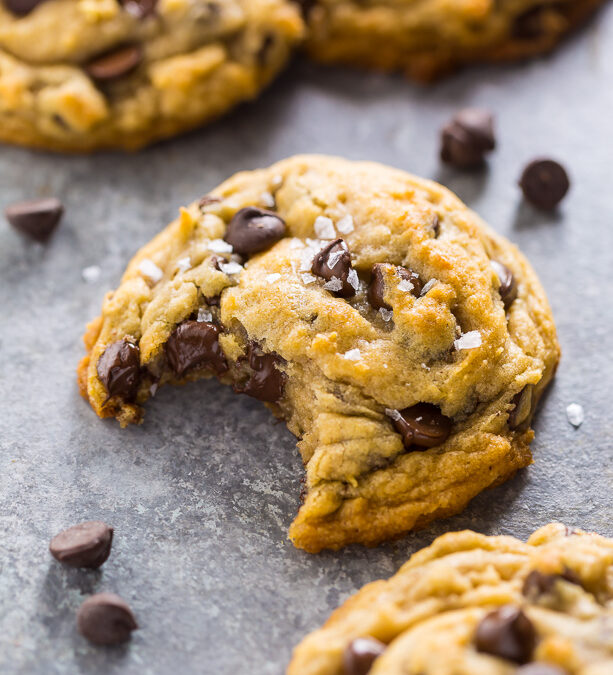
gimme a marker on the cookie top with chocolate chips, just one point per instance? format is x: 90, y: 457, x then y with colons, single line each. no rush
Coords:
x: 81, y: 75
x: 468, y: 604
x: 403, y: 341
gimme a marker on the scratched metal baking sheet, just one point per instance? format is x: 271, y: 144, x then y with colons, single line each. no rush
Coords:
x: 202, y: 494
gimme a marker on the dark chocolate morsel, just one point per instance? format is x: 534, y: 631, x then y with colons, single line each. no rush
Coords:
x: 105, y: 619
x: 507, y: 633
x: 508, y: 285
x: 334, y: 262
x: 195, y: 344
x: 539, y: 583
x: 37, y: 219
x: 119, y: 369
x: 266, y: 382
x: 467, y: 137
x: 21, y: 7
x: 523, y: 406
x: 360, y: 654
x: 114, y: 64
x: 544, y: 183
x: 139, y: 9
x: 540, y: 668
x: 252, y: 230
x: 422, y: 425
x: 376, y: 289
x: 84, y: 545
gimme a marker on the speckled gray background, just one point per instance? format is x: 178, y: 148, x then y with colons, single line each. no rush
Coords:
x: 202, y: 494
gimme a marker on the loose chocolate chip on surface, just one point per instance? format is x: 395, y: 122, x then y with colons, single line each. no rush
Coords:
x: 544, y: 183
x: 37, y: 218
x: 195, y: 344
x: 508, y: 633
x: 360, y: 655
x: 334, y: 262
x: 105, y: 619
x: 508, y: 285
x: 252, y: 230
x: 115, y: 64
x: 266, y: 382
x: 467, y: 137
x: 537, y: 668
x: 423, y: 425
x: 519, y: 417
x: 84, y: 545
x: 139, y: 9
x: 21, y: 7
x: 376, y: 289
x: 119, y: 369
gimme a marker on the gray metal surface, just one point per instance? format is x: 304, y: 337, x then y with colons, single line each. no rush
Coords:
x: 202, y: 494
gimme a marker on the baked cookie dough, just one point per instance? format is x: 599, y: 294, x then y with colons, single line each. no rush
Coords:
x: 78, y: 75
x: 476, y: 605
x: 428, y: 38
x: 403, y: 341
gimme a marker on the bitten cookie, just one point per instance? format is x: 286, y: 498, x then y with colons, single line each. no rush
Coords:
x: 404, y: 342
x: 476, y: 605
x: 429, y: 38
x: 79, y: 75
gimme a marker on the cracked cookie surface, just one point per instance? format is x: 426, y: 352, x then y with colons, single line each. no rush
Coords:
x: 79, y: 75
x: 365, y: 307
x: 428, y: 38
x: 476, y: 605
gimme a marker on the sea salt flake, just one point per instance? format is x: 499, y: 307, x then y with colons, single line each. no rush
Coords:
x: 324, y: 228
x: 428, y: 286
x: 308, y: 278
x: 204, y: 315
x: 267, y: 199
x: 394, y: 414
x: 276, y: 181
x: 91, y: 274
x: 334, y: 284
x: 151, y: 270
x: 405, y: 285
x: 333, y: 258
x: 353, y: 279
x: 296, y: 243
x: 219, y: 246
x: 184, y: 264
x: 575, y: 414
x: 469, y: 340
x: 345, y: 224
x: 353, y: 354
x: 153, y: 389
x: 306, y: 261
x: 271, y: 278
x: 386, y: 314
x: 231, y: 267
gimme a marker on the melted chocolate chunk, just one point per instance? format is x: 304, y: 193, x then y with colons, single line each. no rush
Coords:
x: 538, y: 583
x: 266, y: 382
x: 334, y: 262
x: 544, y: 183
x: 115, y: 64
x: 376, y: 289
x: 508, y: 285
x: 523, y: 405
x: 36, y: 219
x: 195, y: 344
x: 84, y: 545
x: 252, y: 230
x: 119, y: 369
x: 507, y: 633
x: 422, y: 425
x: 360, y: 655
x: 105, y: 619
x: 467, y: 138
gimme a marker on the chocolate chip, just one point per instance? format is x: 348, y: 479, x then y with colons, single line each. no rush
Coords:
x: 266, y: 382
x: 360, y: 654
x: 115, y: 64
x: 531, y: 24
x: 105, y: 619
x: 376, y: 289
x: 423, y: 425
x: 140, y: 9
x: 119, y: 369
x: 467, y: 137
x: 508, y: 285
x: 523, y: 405
x: 544, y: 183
x: 508, y: 633
x: 334, y: 261
x: 37, y: 218
x: 537, y: 668
x: 21, y: 7
x: 83, y: 545
x: 195, y: 344
x: 252, y: 230
x: 538, y: 583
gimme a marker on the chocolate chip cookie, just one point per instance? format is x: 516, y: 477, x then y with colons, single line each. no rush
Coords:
x: 429, y: 38
x: 84, y: 74
x: 403, y: 341
x: 476, y: 605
